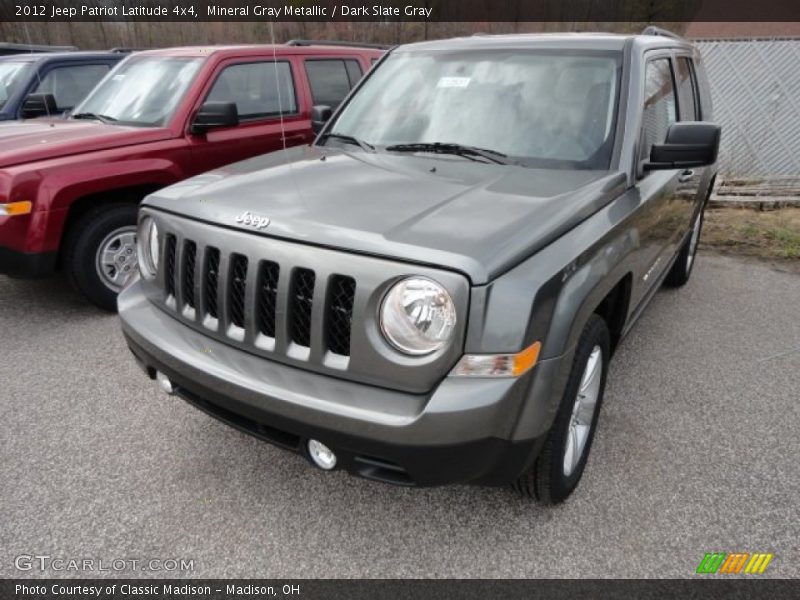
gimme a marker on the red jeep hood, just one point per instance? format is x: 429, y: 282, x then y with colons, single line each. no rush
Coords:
x: 42, y: 139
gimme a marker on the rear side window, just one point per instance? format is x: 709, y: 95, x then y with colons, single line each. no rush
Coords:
x: 263, y: 89
x: 71, y: 84
x: 331, y: 80
x: 687, y: 90
x: 659, y: 103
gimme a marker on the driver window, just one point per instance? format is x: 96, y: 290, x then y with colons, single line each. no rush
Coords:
x: 263, y: 89
x: 659, y: 104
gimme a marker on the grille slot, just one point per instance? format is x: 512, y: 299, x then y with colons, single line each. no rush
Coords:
x: 187, y: 282
x: 211, y: 279
x: 236, y: 288
x: 300, y: 303
x: 339, y: 317
x: 267, y: 297
x: 169, y: 264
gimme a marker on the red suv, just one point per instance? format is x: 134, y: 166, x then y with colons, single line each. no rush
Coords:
x: 69, y: 189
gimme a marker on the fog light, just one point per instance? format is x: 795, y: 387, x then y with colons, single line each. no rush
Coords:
x: 165, y: 383
x: 322, y: 456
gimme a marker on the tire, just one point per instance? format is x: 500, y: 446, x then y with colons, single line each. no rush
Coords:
x: 102, y: 228
x: 549, y: 480
x: 682, y: 268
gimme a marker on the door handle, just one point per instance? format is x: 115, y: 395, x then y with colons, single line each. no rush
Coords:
x: 686, y: 175
x: 299, y: 137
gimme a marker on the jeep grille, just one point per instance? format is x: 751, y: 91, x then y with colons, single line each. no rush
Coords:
x: 300, y: 302
x: 307, y: 306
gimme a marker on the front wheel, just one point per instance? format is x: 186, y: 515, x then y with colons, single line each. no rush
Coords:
x: 560, y: 465
x: 100, y: 255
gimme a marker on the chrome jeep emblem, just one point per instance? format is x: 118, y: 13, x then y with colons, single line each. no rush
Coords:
x: 248, y: 218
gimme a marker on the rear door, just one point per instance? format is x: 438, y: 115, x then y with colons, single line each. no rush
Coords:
x: 331, y: 79
x: 270, y: 116
x: 692, y: 183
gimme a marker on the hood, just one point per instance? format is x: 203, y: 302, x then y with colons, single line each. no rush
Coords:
x: 477, y: 218
x: 41, y: 139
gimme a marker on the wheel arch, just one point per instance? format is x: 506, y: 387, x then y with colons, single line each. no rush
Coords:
x: 132, y: 194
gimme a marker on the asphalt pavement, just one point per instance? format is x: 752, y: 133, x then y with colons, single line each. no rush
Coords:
x: 697, y: 451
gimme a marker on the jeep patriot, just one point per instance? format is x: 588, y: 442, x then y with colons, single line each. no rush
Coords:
x: 431, y: 292
x: 69, y: 189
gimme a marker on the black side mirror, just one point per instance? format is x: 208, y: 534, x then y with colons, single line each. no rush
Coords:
x: 39, y: 105
x: 688, y: 144
x: 320, y: 115
x: 215, y: 114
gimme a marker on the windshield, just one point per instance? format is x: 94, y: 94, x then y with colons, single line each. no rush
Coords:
x: 542, y: 108
x: 142, y: 91
x: 11, y: 75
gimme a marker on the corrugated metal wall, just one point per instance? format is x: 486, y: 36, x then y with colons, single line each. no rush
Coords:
x: 755, y: 86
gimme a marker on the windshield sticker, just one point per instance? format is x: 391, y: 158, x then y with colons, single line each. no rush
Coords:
x: 453, y: 82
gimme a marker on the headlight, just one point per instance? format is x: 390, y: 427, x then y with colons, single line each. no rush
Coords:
x: 148, y: 250
x: 418, y: 316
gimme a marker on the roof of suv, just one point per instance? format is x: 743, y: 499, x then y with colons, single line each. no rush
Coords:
x: 260, y: 50
x: 584, y: 41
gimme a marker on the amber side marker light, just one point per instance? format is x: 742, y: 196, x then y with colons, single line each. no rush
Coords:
x: 498, y: 365
x: 15, y: 208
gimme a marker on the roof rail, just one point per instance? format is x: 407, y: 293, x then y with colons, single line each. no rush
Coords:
x: 653, y: 30
x: 337, y: 43
x: 126, y: 50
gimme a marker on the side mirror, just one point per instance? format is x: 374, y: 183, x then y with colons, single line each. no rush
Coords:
x: 39, y: 105
x: 688, y: 144
x: 215, y: 114
x: 320, y: 115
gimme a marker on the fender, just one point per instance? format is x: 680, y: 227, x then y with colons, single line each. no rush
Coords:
x: 60, y: 189
x: 591, y: 282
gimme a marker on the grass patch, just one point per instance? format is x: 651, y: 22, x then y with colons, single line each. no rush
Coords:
x: 772, y: 234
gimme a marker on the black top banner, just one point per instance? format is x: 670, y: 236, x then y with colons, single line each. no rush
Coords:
x: 583, y: 11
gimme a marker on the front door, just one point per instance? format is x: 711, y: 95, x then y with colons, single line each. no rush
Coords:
x: 269, y: 114
x: 664, y: 213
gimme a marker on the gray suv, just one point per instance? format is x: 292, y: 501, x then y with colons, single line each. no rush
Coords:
x: 431, y: 292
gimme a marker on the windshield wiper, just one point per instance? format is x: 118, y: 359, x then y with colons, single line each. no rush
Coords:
x: 94, y: 117
x: 349, y: 139
x: 456, y: 149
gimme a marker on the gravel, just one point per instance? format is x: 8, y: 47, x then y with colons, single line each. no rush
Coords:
x: 697, y: 451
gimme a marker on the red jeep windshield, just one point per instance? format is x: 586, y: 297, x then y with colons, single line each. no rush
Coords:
x: 142, y: 91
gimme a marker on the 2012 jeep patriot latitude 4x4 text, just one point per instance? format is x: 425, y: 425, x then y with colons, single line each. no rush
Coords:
x: 432, y: 291
x: 69, y: 189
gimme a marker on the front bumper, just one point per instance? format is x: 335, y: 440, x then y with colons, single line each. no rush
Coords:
x: 25, y: 265
x: 460, y: 432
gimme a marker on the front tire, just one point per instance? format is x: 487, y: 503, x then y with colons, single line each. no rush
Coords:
x: 559, y: 466
x: 100, y: 254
